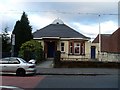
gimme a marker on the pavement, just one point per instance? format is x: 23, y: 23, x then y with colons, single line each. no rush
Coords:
x: 46, y: 64
x: 46, y: 68
x: 11, y: 82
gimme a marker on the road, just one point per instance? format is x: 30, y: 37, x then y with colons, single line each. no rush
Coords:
x: 88, y: 79
x: 62, y: 81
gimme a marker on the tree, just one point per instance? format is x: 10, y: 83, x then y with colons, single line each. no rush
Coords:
x: 32, y: 50
x: 6, y: 44
x: 22, y: 31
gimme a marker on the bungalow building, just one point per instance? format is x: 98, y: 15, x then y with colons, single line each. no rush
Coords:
x: 60, y: 37
x: 110, y: 49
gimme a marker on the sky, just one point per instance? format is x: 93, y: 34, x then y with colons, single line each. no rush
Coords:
x: 84, y: 16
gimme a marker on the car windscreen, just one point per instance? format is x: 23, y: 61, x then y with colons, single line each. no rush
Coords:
x: 22, y: 60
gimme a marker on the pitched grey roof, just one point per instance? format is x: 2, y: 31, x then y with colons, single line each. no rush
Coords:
x: 58, y: 30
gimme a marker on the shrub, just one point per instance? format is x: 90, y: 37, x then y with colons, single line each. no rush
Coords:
x: 57, y: 58
x: 32, y: 50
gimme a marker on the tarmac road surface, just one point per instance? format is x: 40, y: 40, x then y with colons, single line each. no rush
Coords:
x: 79, y: 81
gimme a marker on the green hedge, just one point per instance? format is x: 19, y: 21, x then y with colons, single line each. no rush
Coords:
x: 86, y: 64
x: 57, y: 57
x: 32, y: 50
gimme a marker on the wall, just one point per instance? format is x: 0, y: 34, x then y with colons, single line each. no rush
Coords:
x: 65, y: 53
x: 87, y: 49
x: 111, y: 57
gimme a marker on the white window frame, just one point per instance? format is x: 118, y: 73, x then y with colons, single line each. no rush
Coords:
x: 62, y: 47
x: 76, y: 46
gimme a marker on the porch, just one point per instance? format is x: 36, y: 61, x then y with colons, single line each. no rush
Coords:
x: 50, y: 47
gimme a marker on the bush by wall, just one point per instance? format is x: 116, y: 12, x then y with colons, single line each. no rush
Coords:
x: 57, y: 57
x: 32, y: 50
x: 86, y: 64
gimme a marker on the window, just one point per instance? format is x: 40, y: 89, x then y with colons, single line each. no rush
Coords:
x: 14, y: 61
x: 57, y: 22
x: 62, y: 47
x: 4, y: 61
x: 77, y: 48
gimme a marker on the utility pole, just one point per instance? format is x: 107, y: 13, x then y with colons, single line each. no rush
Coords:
x: 0, y: 45
x: 99, y: 40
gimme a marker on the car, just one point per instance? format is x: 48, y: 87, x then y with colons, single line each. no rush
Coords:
x: 32, y: 61
x: 16, y: 65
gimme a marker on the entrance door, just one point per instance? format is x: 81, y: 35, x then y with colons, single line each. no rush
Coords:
x: 51, y: 49
x: 93, y: 52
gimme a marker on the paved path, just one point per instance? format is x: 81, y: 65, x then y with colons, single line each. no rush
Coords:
x: 46, y: 64
x: 76, y: 71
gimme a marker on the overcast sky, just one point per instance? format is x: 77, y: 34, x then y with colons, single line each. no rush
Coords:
x: 81, y: 15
